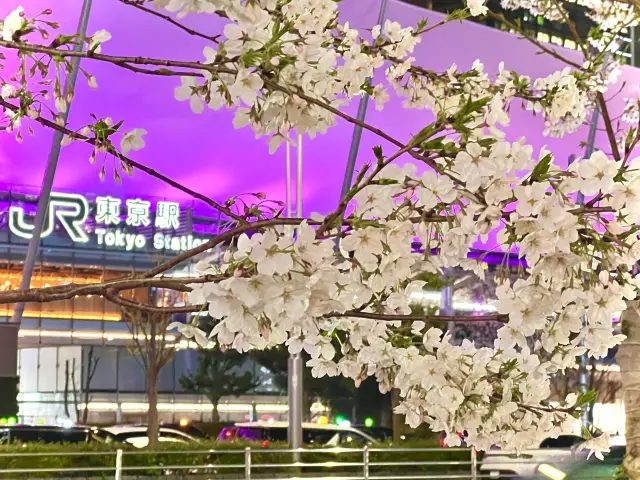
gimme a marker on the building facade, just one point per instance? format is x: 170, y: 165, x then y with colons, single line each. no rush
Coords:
x: 79, y: 353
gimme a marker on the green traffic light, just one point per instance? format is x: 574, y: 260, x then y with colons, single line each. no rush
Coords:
x: 368, y: 422
x: 12, y: 421
x: 340, y: 420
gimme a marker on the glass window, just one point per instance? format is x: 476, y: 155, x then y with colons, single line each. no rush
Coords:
x: 352, y: 440
x: 563, y: 441
x: 318, y: 436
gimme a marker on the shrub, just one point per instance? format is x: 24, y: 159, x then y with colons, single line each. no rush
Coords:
x: 60, y: 460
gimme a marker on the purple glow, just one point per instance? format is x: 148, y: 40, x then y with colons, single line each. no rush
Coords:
x: 206, y: 153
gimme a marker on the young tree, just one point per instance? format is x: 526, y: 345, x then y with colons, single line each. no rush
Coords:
x: 153, y: 351
x: 286, y: 65
x: 218, y: 375
x: 87, y: 373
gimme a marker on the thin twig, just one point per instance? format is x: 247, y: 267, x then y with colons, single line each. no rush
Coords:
x: 190, y: 31
x: 500, y: 17
x: 602, y: 103
x: 425, y: 318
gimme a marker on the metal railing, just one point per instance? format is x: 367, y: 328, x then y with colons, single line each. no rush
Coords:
x: 361, y: 464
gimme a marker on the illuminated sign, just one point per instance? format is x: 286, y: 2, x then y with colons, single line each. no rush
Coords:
x: 71, y: 212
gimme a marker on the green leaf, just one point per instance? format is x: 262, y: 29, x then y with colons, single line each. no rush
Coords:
x: 422, y: 135
x: 586, y: 398
x: 434, y: 144
x: 377, y: 151
x: 541, y: 168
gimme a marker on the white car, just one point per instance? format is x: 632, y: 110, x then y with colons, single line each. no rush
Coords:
x: 552, y: 451
x: 136, y: 435
x: 312, y: 434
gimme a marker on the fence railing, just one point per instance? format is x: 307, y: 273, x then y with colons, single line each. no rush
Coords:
x: 252, y: 463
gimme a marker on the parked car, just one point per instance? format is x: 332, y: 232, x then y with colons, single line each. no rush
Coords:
x: 136, y: 435
x: 552, y: 451
x: 312, y: 434
x: 23, y: 434
x: 587, y: 469
x: 462, y: 435
x: 189, y: 429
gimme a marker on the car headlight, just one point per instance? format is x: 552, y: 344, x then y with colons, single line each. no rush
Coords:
x: 551, y: 472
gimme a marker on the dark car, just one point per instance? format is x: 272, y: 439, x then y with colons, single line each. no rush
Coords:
x: 23, y: 434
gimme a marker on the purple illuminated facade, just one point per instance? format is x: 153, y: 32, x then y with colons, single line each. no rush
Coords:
x: 204, y: 151
x: 206, y: 154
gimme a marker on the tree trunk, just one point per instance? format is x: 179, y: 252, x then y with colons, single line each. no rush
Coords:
x: 396, y: 420
x: 628, y: 357
x: 215, y: 415
x: 66, y: 388
x: 76, y: 407
x: 86, y: 387
x: 153, y: 427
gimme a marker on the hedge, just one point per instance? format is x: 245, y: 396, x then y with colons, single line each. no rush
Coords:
x: 77, y: 465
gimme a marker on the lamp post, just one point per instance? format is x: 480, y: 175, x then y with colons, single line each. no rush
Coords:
x: 295, y: 364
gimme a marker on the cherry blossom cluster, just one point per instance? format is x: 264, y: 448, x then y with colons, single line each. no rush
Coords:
x: 339, y: 287
x: 608, y: 15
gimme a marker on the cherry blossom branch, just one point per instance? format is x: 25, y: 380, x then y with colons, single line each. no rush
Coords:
x: 48, y: 123
x: 71, y: 290
x: 190, y: 31
x: 54, y: 52
x: 114, y: 297
x: 500, y: 17
x: 602, y: 103
x: 335, y: 111
x: 425, y: 318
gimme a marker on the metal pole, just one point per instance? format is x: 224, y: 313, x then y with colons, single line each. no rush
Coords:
x: 47, y: 182
x: 118, y: 475
x: 247, y: 463
x: 295, y: 403
x: 295, y: 361
x: 357, y: 130
x: 365, y: 462
x: 474, y: 464
x: 295, y: 365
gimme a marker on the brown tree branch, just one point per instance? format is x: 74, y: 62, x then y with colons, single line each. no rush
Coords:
x: 425, y: 318
x: 602, y: 103
x: 55, y: 52
x: 500, y: 17
x: 190, y: 31
x: 71, y: 290
x: 114, y: 297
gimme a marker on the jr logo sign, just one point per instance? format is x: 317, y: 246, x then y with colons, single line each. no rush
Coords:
x: 70, y: 209
x: 110, y: 229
